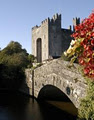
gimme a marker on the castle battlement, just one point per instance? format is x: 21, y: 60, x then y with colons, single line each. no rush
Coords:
x: 49, y: 40
x: 56, y: 20
x: 56, y: 16
x: 35, y: 27
x: 76, y: 21
x: 45, y: 21
x: 48, y: 20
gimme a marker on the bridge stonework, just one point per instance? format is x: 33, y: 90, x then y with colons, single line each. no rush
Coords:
x: 58, y: 73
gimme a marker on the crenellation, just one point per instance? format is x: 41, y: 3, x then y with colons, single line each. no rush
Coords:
x: 51, y: 20
x: 76, y: 21
x: 56, y: 16
x: 35, y: 27
x: 45, y: 21
x: 70, y: 28
x: 49, y: 39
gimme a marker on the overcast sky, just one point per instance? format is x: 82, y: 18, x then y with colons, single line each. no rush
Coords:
x: 17, y: 17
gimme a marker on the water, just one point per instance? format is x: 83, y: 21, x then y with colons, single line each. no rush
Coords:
x: 17, y: 106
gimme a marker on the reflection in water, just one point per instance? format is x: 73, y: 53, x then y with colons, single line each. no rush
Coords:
x: 16, y: 106
x: 65, y: 106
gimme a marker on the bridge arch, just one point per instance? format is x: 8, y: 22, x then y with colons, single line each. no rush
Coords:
x: 51, y: 92
x: 58, y: 74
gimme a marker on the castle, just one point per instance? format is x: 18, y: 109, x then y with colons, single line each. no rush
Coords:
x: 49, y: 40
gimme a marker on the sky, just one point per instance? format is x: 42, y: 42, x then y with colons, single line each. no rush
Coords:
x: 17, y: 17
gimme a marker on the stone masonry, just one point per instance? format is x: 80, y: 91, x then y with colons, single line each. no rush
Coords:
x: 49, y: 40
x: 57, y: 73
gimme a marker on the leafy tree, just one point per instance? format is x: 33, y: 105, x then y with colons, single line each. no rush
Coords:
x: 12, y: 47
x: 13, y: 61
x: 31, y: 60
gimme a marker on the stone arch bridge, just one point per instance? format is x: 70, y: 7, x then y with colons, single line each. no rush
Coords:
x: 59, y: 74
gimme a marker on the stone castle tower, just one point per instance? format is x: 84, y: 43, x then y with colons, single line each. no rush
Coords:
x: 49, y: 40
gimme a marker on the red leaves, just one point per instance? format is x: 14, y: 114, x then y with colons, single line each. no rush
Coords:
x: 81, y: 61
x: 92, y: 34
x: 85, y: 32
x: 86, y: 26
x: 92, y: 42
x: 75, y: 35
x: 86, y: 71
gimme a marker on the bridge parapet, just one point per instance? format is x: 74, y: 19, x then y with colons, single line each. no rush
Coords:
x: 58, y: 74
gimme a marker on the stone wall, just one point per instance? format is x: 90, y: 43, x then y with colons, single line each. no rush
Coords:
x: 58, y: 73
x: 54, y: 39
x: 41, y: 32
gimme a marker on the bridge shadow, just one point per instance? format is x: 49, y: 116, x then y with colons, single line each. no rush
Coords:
x: 50, y: 92
x: 57, y: 98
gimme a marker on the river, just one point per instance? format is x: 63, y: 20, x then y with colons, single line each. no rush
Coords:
x: 17, y: 106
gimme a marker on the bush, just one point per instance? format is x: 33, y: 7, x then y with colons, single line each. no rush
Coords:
x: 13, y: 61
x: 86, y: 109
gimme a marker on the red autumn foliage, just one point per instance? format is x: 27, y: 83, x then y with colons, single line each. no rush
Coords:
x: 85, y: 32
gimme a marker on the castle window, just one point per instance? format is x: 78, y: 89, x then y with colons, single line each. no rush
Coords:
x: 39, y: 50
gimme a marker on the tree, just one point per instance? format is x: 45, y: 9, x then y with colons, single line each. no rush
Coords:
x: 31, y: 60
x: 13, y: 47
x: 13, y: 61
